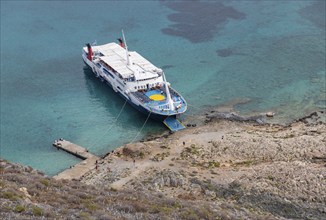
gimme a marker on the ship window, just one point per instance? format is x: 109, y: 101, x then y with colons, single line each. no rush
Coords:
x: 135, y: 87
x: 108, y: 73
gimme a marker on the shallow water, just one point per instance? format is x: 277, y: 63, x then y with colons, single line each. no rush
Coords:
x: 273, y: 53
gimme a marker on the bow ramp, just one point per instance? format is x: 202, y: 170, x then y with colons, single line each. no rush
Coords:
x: 173, y: 124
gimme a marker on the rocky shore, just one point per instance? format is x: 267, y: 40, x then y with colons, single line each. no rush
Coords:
x: 234, y: 168
x: 276, y: 170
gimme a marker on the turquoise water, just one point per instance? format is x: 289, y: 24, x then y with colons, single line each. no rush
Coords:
x: 269, y: 52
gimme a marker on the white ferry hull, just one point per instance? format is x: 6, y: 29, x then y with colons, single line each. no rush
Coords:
x: 138, y: 106
x: 136, y: 80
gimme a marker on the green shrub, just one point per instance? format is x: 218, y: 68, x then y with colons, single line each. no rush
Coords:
x: 244, y: 163
x: 141, y: 154
x: 84, y: 215
x: 213, y: 164
x: 37, y: 211
x: 10, y: 195
x: 189, y: 214
x: 19, y: 208
x: 2, y: 184
x: 45, y: 182
x: 270, y: 177
x: 113, y: 189
x: 91, y: 206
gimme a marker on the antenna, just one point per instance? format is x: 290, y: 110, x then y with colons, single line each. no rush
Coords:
x: 126, y: 47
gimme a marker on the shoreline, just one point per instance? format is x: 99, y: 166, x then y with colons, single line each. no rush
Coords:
x: 239, y: 169
x: 81, y: 169
x: 259, y: 164
x: 208, y: 121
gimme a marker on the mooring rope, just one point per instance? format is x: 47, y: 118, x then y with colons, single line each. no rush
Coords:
x: 113, y: 123
x: 119, y: 114
x: 141, y: 127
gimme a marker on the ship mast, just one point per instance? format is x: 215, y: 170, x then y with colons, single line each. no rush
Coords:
x: 167, y: 91
x: 126, y: 47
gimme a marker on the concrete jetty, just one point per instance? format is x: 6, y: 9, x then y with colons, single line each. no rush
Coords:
x: 72, y: 148
x: 77, y: 171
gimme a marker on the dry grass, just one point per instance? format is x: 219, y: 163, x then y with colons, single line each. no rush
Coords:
x: 50, y: 198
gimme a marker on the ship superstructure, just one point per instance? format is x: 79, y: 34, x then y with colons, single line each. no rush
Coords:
x: 137, y: 80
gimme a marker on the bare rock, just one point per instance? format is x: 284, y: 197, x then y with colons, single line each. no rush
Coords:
x: 168, y: 178
x: 270, y: 114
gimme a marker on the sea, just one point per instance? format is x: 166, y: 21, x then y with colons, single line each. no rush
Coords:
x: 270, y: 53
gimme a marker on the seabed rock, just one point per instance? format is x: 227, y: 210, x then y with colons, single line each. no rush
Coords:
x: 270, y: 114
x: 232, y: 116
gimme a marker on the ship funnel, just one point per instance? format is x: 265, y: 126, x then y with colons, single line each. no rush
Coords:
x: 90, y: 52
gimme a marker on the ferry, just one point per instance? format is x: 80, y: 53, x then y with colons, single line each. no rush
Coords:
x: 137, y: 80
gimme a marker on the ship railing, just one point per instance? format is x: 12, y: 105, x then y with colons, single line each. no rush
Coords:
x: 157, y: 106
x: 163, y: 107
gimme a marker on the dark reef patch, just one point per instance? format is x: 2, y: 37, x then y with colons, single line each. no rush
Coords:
x: 197, y: 21
x: 224, y: 52
x: 315, y: 13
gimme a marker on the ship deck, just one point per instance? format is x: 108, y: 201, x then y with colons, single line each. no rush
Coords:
x: 155, y: 99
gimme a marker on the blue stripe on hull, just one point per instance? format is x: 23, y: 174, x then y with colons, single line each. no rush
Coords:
x: 154, y: 116
x: 143, y: 110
